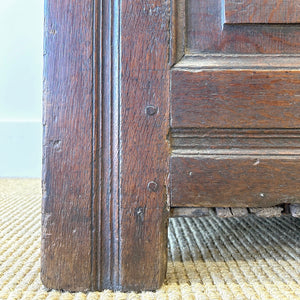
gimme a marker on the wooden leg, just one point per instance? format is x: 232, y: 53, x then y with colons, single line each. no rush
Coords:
x: 130, y: 255
x: 105, y: 161
x: 143, y: 248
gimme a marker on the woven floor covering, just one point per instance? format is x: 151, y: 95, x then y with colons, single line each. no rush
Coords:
x: 209, y: 258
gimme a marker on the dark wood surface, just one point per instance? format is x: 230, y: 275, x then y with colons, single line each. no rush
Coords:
x: 105, y: 197
x: 235, y: 141
x: 235, y: 109
x: 67, y: 157
x: 262, y: 11
x: 145, y: 151
x: 106, y: 154
x: 234, y: 180
x: 237, y: 98
x: 206, y: 31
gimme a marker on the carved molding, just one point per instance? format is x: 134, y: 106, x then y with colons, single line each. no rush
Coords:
x: 235, y: 141
x: 105, y: 162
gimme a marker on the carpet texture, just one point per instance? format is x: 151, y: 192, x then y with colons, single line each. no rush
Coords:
x: 209, y: 258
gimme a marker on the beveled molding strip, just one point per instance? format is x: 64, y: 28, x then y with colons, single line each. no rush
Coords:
x: 234, y: 141
x: 105, y: 161
x: 239, y: 61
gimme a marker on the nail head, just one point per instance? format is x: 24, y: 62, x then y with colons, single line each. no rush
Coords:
x: 152, y: 186
x: 151, y: 110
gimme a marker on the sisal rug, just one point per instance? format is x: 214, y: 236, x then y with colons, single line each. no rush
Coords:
x: 209, y: 258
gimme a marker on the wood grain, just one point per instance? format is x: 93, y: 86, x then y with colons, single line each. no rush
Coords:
x: 193, y: 212
x: 262, y: 11
x: 178, y: 31
x: 206, y: 32
x: 234, y: 141
x: 235, y: 98
x: 145, y: 151
x: 66, y: 213
x: 234, y: 181
x: 236, y: 212
x: 108, y: 145
x: 266, y: 212
x: 105, y: 167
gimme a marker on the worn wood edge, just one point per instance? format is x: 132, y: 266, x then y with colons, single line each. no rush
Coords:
x: 66, y: 204
x: 231, y: 212
x: 295, y: 210
x: 190, y: 212
x: 223, y: 212
x: 267, y: 212
x: 239, y: 211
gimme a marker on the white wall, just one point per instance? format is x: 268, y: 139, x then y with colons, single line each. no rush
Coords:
x: 21, y: 33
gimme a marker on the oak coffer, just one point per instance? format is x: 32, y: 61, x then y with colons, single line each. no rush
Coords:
x: 159, y: 106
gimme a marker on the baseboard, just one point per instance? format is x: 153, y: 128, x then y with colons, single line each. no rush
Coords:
x: 21, y: 148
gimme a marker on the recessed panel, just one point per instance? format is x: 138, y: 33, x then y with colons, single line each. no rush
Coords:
x: 253, y: 28
x: 262, y: 11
